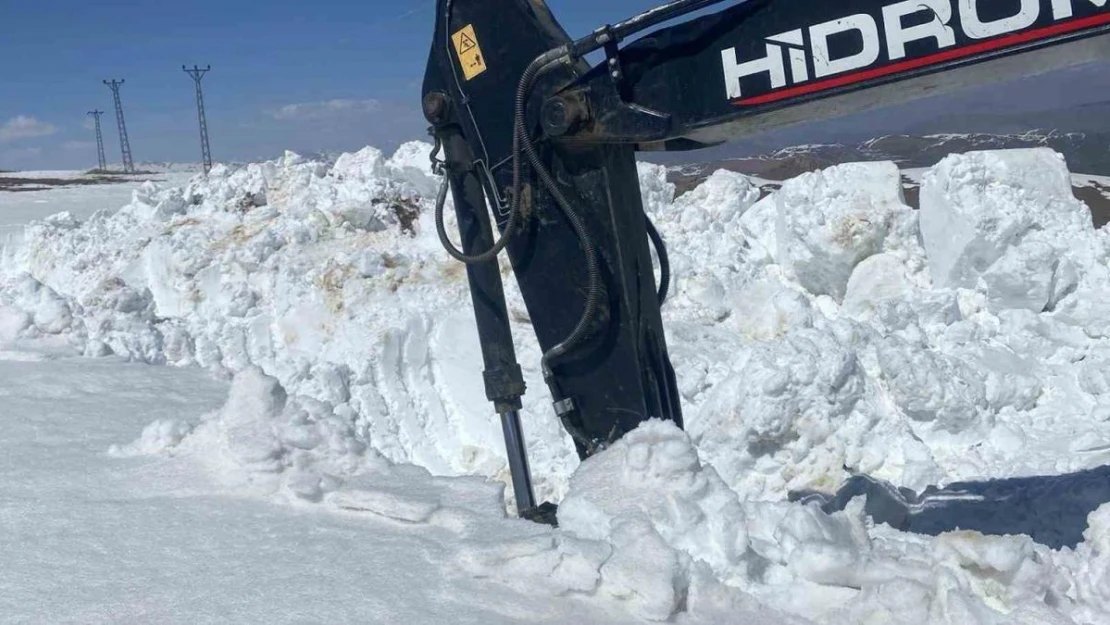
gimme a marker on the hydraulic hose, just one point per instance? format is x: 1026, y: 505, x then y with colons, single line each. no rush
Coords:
x: 522, y: 143
x: 664, y: 261
x: 593, y: 271
x: 524, y: 87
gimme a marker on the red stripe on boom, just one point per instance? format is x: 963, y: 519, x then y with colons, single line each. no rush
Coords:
x: 925, y: 61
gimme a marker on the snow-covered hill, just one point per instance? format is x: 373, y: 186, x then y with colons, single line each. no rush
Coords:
x: 1086, y: 153
x: 824, y: 330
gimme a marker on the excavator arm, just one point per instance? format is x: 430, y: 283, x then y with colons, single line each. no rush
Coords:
x: 538, y: 152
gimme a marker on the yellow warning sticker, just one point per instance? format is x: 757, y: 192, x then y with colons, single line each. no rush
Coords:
x: 470, y: 55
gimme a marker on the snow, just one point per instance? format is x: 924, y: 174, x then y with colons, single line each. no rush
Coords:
x: 153, y: 538
x: 328, y: 376
x: 62, y: 174
x: 1003, y: 220
x: 18, y: 208
x: 830, y: 220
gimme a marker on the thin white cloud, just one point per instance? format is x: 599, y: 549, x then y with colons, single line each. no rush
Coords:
x: 78, y: 145
x: 324, y: 109
x: 24, y: 127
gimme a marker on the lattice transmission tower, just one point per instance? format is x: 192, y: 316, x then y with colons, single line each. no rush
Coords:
x: 124, y: 144
x: 102, y: 163
x: 205, y: 151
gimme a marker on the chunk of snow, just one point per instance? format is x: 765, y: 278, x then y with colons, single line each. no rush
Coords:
x: 784, y: 398
x: 767, y: 309
x: 932, y: 387
x: 13, y: 321
x: 878, y: 279
x: 828, y: 221
x: 158, y: 437
x: 1003, y: 218
x: 654, y: 471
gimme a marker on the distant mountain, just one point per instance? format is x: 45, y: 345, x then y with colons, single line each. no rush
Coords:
x: 1087, y: 154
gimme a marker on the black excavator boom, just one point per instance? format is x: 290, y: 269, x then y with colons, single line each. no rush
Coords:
x: 538, y: 149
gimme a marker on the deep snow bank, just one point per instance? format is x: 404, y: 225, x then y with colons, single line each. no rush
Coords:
x: 826, y: 329
x: 653, y: 502
x: 328, y: 277
x: 819, y: 328
x: 648, y: 529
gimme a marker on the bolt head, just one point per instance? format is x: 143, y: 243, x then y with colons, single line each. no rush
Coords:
x: 556, y: 117
x: 563, y: 114
x: 435, y: 106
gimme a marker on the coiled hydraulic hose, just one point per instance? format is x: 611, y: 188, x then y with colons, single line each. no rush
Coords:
x: 522, y: 144
x: 524, y: 87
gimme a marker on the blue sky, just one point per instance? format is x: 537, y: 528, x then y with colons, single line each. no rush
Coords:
x: 305, y: 75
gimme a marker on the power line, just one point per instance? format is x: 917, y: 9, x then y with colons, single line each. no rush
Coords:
x: 101, y: 161
x: 124, y: 144
x: 205, y: 151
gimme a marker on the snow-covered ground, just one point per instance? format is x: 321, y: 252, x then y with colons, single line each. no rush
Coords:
x: 59, y: 174
x: 825, y: 330
x: 1099, y: 183
x: 18, y: 208
x: 92, y: 537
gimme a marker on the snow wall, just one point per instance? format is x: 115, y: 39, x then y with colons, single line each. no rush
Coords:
x: 824, y: 330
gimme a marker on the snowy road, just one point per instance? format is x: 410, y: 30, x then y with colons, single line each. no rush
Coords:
x: 87, y: 538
